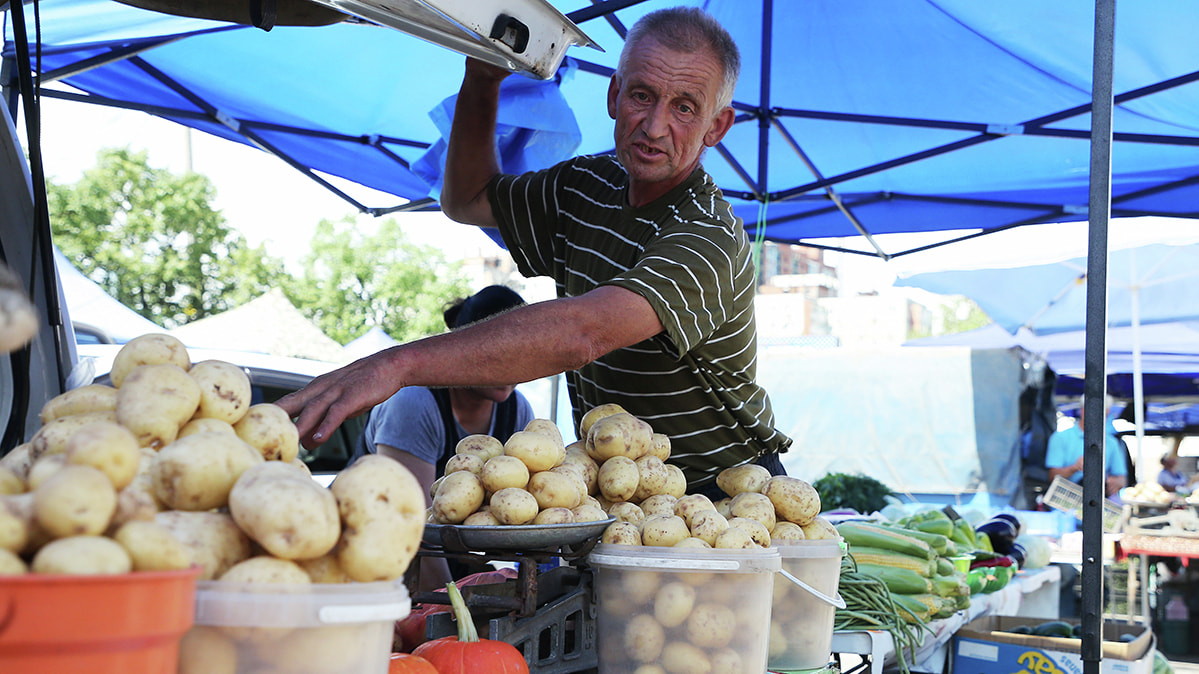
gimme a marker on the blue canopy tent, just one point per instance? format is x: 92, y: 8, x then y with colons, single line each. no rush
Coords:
x: 854, y: 118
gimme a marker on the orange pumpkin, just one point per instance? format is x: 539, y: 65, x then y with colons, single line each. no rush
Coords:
x: 467, y: 653
x: 406, y: 663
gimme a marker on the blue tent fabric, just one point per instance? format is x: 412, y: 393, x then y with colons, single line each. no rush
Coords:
x: 852, y: 117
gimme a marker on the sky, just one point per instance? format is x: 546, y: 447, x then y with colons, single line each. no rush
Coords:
x: 275, y: 205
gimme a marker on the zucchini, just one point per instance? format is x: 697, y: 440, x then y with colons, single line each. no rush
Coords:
x: 874, y: 536
x: 1054, y: 628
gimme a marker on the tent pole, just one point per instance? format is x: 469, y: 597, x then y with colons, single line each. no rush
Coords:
x: 1095, y: 379
x: 1138, y: 386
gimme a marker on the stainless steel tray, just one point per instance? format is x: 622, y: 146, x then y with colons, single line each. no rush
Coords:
x: 522, y: 537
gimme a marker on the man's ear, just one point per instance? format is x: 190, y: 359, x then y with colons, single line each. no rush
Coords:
x: 613, y: 95
x: 721, y: 123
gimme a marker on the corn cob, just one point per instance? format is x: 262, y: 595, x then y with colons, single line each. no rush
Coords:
x: 898, y: 580
x: 938, y: 542
x: 938, y: 525
x: 945, y: 567
x: 911, y: 609
x: 951, y: 585
x: 879, y: 557
x: 874, y: 536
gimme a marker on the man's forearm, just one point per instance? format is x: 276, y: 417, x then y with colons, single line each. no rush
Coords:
x: 471, y: 154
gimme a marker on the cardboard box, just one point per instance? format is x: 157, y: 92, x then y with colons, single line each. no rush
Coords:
x: 986, y: 646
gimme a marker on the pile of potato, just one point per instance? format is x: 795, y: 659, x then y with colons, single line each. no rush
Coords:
x: 172, y: 467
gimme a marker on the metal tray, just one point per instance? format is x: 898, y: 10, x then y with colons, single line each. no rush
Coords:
x: 522, y: 537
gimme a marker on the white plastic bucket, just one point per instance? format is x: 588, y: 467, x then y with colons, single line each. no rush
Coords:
x: 673, y: 607
x: 801, y: 630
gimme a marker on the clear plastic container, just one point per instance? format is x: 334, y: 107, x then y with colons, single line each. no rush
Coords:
x: 677, y: 608
x: 315, y: 629
x: 801, y: 630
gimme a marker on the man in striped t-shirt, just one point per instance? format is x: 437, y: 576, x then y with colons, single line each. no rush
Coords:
x: 654, y: 274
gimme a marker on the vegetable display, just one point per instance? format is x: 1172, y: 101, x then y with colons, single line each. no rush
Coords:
x: 466, y: 653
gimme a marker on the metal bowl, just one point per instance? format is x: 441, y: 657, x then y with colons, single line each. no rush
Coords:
x: 457, y: 537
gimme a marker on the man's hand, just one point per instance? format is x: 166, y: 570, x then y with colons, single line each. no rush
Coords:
x: 321, y: 406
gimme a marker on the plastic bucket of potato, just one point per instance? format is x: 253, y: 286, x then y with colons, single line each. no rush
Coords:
x: 99, y: 624
x: 678, y: 608
x: 801, y: 630
x: 325, y: 628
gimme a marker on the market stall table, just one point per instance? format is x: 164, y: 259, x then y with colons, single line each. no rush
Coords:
x: 1031, y: 593
x: 1145, y: 544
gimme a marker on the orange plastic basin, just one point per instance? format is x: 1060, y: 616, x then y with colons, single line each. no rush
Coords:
x: 118, y: 624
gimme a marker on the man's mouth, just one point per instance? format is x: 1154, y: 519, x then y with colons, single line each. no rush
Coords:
x: 647, y: 150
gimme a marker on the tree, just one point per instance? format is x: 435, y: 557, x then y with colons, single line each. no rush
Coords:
x: 354, y: 281
x: 152, y: 240
x: 961, y: 314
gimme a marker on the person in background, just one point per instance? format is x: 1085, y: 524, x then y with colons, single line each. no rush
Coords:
x: 1064, y: 456
x: 1170, y: 478
x: 420, y: 427
x: 654, y: 272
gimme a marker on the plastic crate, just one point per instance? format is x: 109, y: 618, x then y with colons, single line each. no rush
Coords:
x: 1066, y: 496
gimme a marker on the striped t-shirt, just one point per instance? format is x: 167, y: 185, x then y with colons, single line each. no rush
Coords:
x: 688, y: 255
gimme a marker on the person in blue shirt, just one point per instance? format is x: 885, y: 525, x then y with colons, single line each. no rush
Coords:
x: 1064, y: 456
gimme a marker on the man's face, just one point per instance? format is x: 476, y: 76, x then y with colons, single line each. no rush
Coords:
x: 664, y: 105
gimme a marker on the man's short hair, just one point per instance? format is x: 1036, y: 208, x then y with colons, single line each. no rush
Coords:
x: 689, y: 30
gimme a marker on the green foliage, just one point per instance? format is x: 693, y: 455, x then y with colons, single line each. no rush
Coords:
x: 354, y: 281
x: 151, y: 239
x: 858, y: 492
x: 962, y: 315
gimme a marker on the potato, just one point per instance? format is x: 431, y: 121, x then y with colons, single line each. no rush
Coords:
x: 151, y: 349
x: 575, y: 473
x: 75, y: 501
x: 11, y: 564
x: 267, y: 428
x: 653, y: 477
x: 734, y: 537
x: 43, y: 468
x: 644, y: 638
x: 52, y: 438
x: 109, y: 447
x: 680, y: 657
x: 618, y: 478
x: 548, y: 428
x: 787, y: 531
x: 213, y: 540
x: 676, y: 482
x: 663, y: 530
x: 723, y: 507
x: 502, y: 472
x: 690, y: 504
x: 576, y: 455
x: 383, y: 517
x: 794, y: 500
x: 155, y: 401
x: 693, y: 542
x: 626, y: 511
x: 588, y: 513
x: 739, y: 479
x: 467, y: 462
x: 711, y: 625
x: 513, y: 505
x: 82, y: 555
x: 324, y: 569
x: 659, y: 446
x: 16, y: 522
x: 659, y: 504
x: 820, y: 529
x: 205, y: 650
x: 756, y: 530
x: 620, y: 434
x: 197, y: 472
x: 622, y: 533
x: 536, y: 450
x: 266, y: 569
x: 459, y: 495
x: 484, y: 518
x: 554, y: 515
x: 10, y: 482
x: 554, y: 490
x: 152, y: 547
x: 673, y: 603
x: 595, y: 414
x: 137, y: 501
x: 707, y: 525
x: 725, y: 661
x: 224, y: 390
x: 345, y: 649
x: 205, y: 425
x: 285, y: 511
x: 89, y: 398
x: 18, y: 460
x: 650, y: 668
x: 754, y: 506
x: 480, y: 445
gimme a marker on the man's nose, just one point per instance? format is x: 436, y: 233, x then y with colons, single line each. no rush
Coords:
x: 657, y: 120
